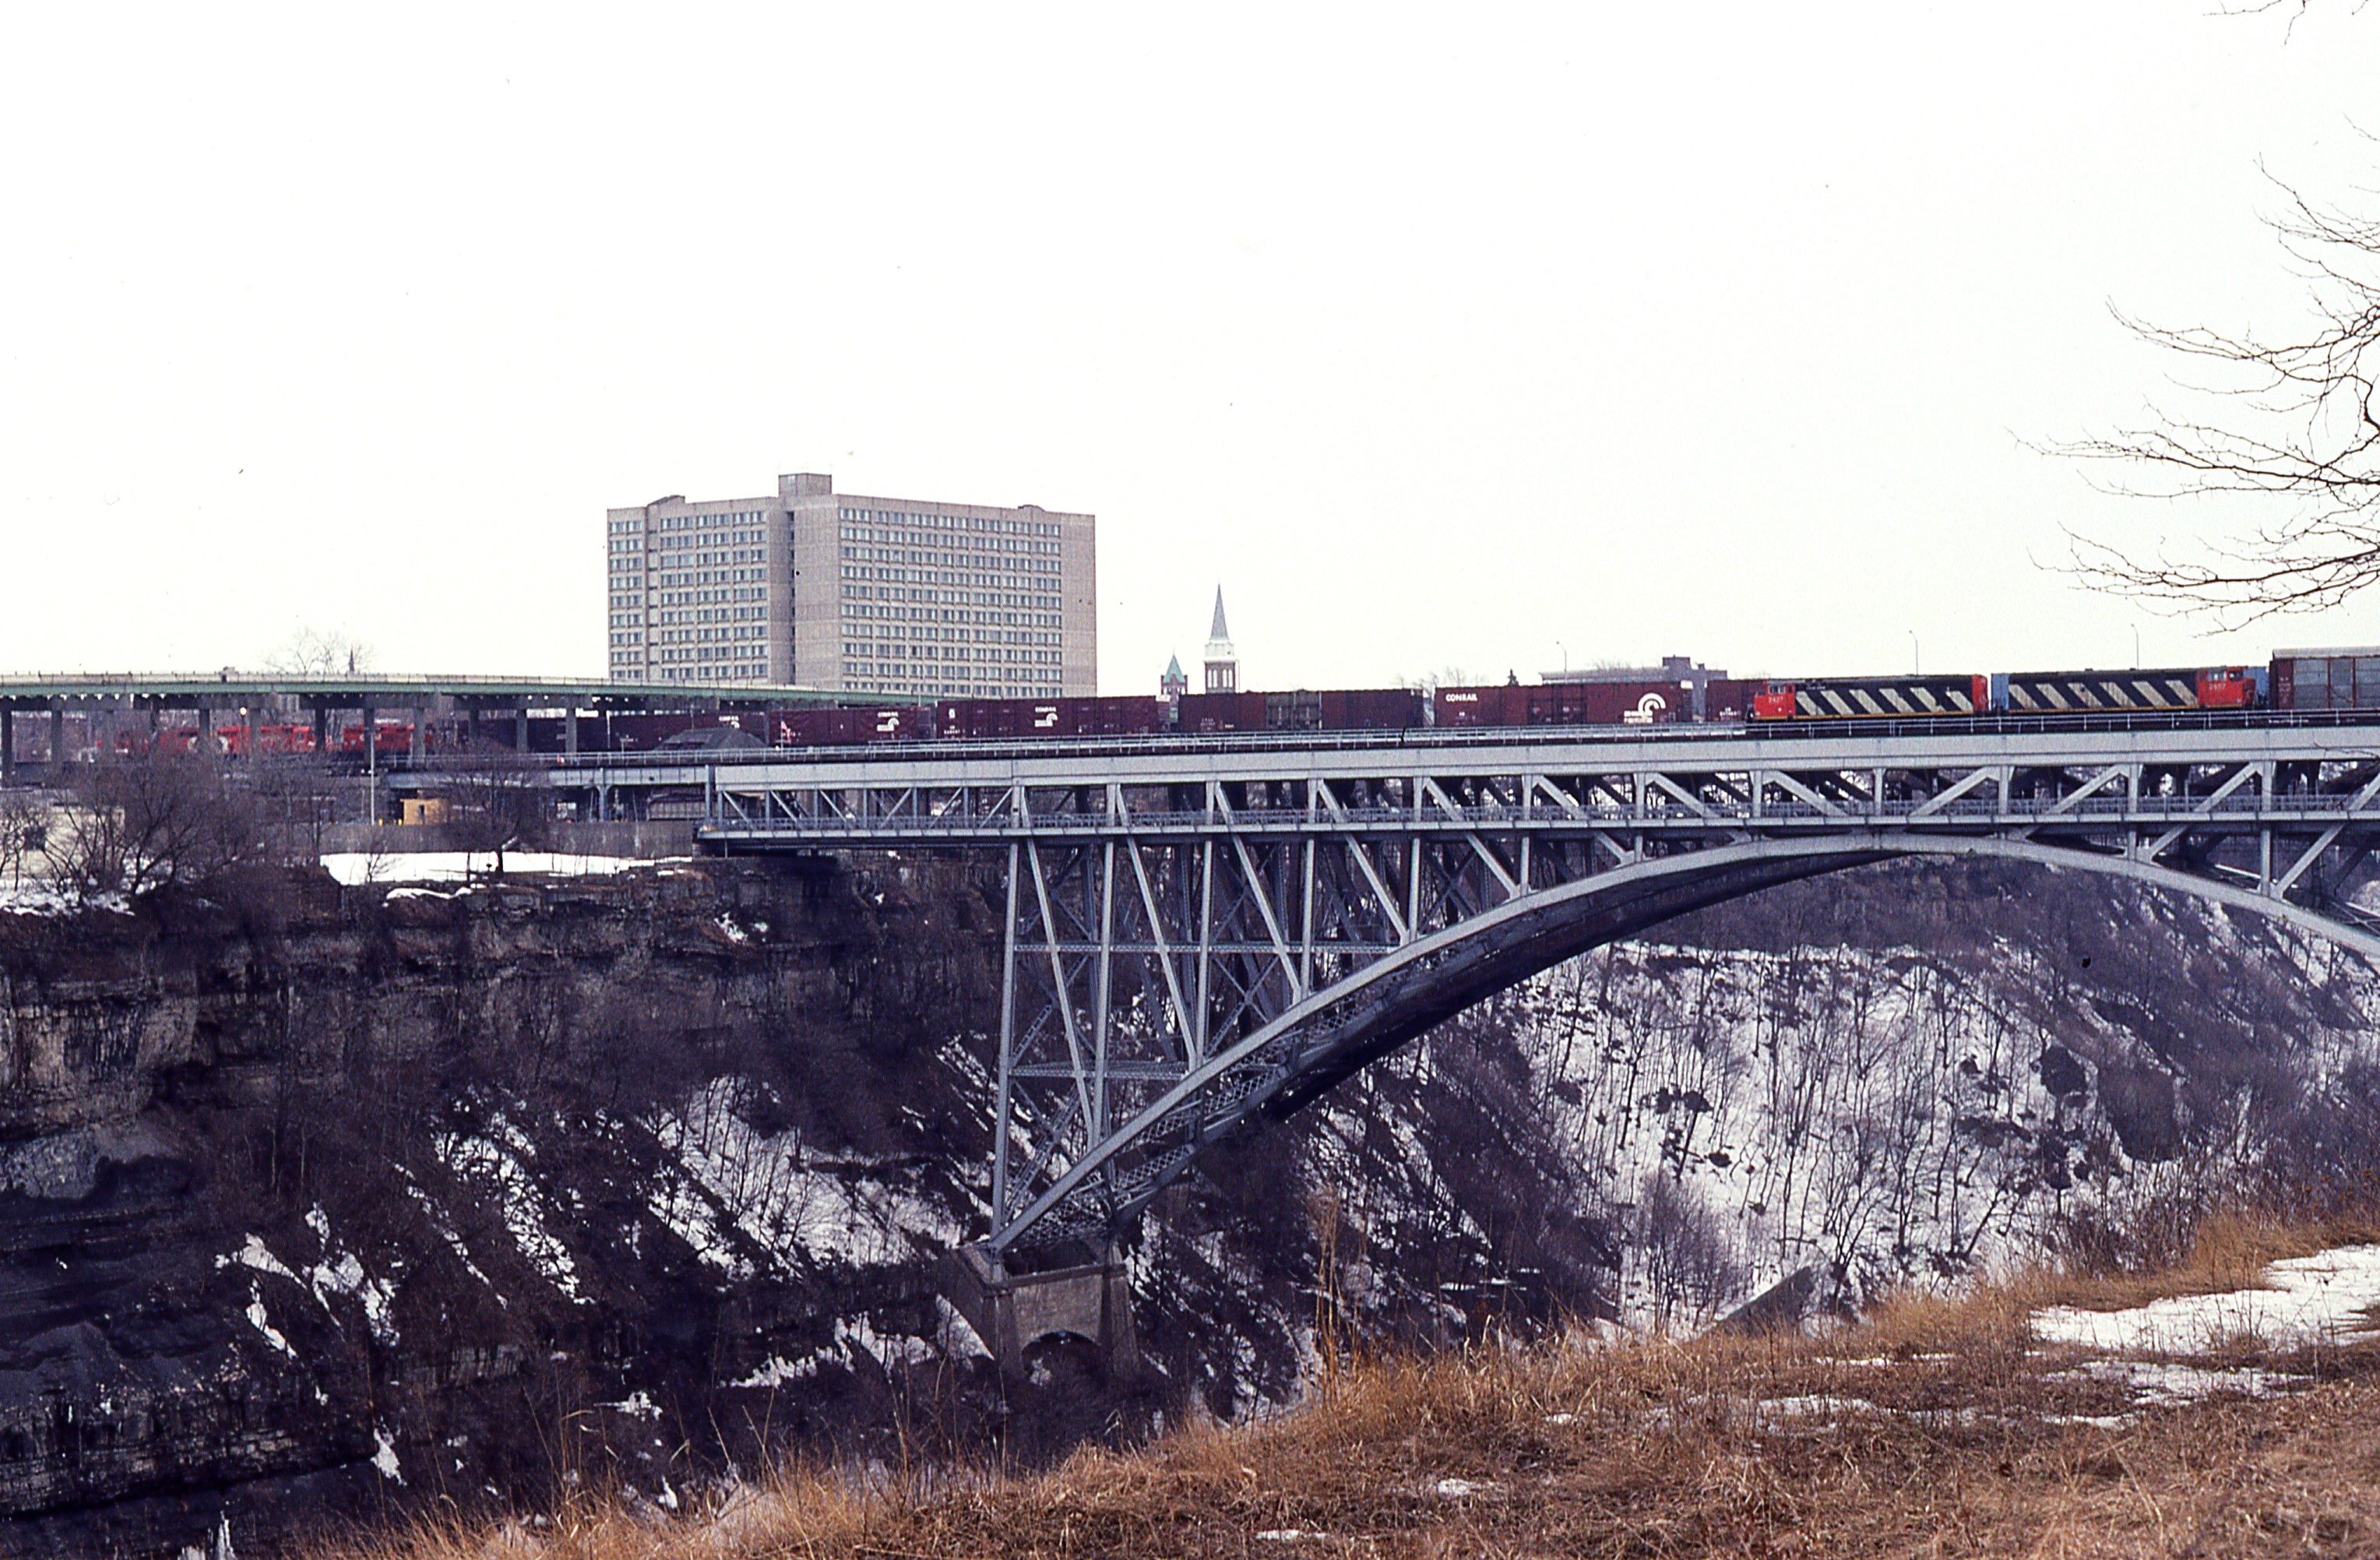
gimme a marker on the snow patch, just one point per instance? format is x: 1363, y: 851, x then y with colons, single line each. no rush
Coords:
x: 482, y: 1158
x: 383, y: 1455
x: 257, y: 1255
x: 772, y: 1190
x: 262, y: 1323
x: 2322, y: 1299
x: 356, y: 868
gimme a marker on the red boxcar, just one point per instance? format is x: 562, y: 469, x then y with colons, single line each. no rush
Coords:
x: 1372, y: 709
x: 1729, y: 699
x: 1636, y: 702
x: 1222, y: 711
x: 2325, y: 679
x: 975, y: 718
x: 1610, y: 703
x: 1497, y: 704
x: 824, y: 725
x: 630, y: 733
x: 1331, y: 709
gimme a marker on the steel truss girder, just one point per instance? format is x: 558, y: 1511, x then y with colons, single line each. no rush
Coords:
x: 1185, y: 949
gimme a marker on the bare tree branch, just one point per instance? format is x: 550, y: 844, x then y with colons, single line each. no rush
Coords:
x: 319, y: 652
x: 2303, y: 432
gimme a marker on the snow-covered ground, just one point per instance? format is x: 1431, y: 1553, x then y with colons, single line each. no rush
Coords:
x: 356, y: 868
x: 2325, y: 1298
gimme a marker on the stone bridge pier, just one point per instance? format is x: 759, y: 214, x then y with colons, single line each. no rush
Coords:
x: 1012, y: 1312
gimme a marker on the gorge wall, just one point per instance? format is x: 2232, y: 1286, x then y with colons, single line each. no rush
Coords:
x: 322, y: 1210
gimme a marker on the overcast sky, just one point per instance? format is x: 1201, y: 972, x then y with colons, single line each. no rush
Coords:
x: 1462, y: 338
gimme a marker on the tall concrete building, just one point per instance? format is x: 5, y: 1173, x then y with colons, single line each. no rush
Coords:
x: 899, y: 596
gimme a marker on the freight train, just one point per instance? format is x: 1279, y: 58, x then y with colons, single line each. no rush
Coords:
x: 2292, y: 681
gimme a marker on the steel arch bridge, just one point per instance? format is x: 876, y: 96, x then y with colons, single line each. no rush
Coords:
x: 1199, y: 932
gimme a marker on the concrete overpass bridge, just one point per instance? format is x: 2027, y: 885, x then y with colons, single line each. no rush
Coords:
x: 1202, y: 931
x: 140, y: 701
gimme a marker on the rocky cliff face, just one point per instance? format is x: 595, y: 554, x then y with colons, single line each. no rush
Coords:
x: 382, y: 1200
x: 421, y: 1195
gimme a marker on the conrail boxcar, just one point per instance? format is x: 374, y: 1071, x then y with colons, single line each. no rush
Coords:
x: 1048, y: 717
x: 1872, y: 698
x: 2183, y: 688
x: 1627, y: 702
x: 1565, y: 703
x: 1496, y: 704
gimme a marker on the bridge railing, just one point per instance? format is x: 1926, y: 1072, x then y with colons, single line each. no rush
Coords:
x: 2162, y: 809
x: 998, y: 750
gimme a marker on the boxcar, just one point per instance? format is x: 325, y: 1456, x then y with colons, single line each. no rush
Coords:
x: 1729, y: 699
x: 828, y: 726
x: 630, y: 733
x: 1494, y: 704
x: 1608, y: 703
x: 1372, y: 709
x: 1220, y: 711
x: 2325, y: 679
x: 1130, y: 716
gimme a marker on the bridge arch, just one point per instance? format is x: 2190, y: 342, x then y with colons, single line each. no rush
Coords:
x: 1316, y: 1041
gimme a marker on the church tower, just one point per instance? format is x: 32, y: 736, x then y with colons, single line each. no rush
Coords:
x: 1222, y: 664
x: 1174, y: 683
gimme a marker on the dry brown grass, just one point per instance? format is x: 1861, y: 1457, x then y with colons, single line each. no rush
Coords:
x: 2228, y: 1250
x: 1936, y: 1429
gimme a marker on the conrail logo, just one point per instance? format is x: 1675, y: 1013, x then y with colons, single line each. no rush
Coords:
x: 1459, y: 698
x: 1647, y: 710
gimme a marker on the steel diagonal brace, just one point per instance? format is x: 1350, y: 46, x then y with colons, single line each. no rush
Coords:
x: 1058, y: 1130
x: 2363, y: 797
x: 2089, y: 788
x: 2246, y: 773
x: 1164, y: 949
x: 1679, y: 791
x: 1560, y: 798
x: 1431, y: 788
x: 2280, y: 886
x: 1059, y: 987
x: 1479, y: 847
x: 1379, y: 888
x: 1256, y: 891
x: 1936, y: 803
x: 1813, y: 798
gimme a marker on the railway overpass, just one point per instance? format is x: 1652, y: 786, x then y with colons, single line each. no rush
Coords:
x: 1200, y: 929
x: 142, y: 701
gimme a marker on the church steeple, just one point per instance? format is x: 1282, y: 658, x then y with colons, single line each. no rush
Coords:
x: 1222, y: 662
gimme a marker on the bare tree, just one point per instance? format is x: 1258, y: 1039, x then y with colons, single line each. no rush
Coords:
x: 2301, y: 431
x: 24, y: 826
x: 497, y: 800
x: 320, y: 652
x: 154, y: 820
